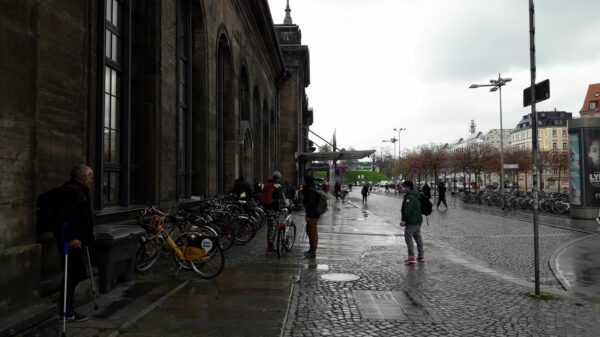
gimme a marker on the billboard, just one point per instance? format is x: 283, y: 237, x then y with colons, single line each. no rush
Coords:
x: 591, y: 159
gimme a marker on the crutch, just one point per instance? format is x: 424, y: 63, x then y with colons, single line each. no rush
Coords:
x: 92, y: 277
x: 66, y: 250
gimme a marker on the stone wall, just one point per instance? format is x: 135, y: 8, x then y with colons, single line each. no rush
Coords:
x: 49, y: 116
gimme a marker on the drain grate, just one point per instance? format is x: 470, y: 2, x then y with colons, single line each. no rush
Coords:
x: 388, y: 305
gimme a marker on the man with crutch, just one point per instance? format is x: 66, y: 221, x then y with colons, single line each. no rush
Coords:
x: 74, y: 236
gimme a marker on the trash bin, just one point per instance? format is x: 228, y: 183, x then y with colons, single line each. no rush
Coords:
x: 114, y: 252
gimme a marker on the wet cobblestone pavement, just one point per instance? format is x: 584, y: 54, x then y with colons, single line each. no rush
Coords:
x: 477, y: 281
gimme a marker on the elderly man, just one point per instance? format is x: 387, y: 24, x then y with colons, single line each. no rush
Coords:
x: 77, y: 233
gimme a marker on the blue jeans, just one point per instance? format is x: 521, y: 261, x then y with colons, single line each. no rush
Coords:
x: 410, y: 232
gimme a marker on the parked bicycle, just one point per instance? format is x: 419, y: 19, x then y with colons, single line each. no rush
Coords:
x: 194, y: 247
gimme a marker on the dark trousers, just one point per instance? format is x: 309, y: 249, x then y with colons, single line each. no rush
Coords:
x: 76, y: 273
x: 311, y: 232
x: 442, y: 198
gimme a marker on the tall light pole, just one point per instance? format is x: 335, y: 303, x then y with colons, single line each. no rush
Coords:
x: 392, y: 140
x: 399, y: 148
x: 496, y: 85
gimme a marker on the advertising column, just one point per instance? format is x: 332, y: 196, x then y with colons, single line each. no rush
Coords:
x: 584, y: 167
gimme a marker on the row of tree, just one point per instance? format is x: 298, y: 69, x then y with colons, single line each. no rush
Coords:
x: 479, y: 161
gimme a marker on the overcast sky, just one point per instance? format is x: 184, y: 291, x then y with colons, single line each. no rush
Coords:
x: 383, y: 64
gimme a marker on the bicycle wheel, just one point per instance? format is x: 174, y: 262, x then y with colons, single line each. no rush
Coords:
x: 290, y: 236
x: 148, y: 253
x: 280, y: 241
x: 212, y: 263
x: 226, y: 232
x: 244, y: 230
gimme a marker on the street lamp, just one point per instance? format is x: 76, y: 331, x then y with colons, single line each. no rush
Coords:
x: 399, y: 148
x: 392, y: 140
x: 496, y: 85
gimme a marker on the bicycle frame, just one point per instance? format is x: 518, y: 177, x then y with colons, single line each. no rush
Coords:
x: 188, y: 254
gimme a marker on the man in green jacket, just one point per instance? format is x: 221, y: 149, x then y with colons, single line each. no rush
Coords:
x: 411, y: 221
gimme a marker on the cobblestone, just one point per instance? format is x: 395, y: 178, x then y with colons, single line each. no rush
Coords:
x: 457, y: 300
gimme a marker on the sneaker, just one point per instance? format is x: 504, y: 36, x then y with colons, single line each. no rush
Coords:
x: 421, y: 258
x: 74, y: 316
x: 410, y: 260
x: 271, y: 251
x: 310, y: 254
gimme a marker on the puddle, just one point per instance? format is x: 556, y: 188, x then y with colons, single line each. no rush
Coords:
x: 340, y: 277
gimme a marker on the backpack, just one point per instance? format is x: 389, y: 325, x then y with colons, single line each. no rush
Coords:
x: 266, y: 197
x: 322, y: 205
x: 50, y: 210
x: 426, y: 206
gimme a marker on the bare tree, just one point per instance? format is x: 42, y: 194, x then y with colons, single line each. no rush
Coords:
x: 559, y: 161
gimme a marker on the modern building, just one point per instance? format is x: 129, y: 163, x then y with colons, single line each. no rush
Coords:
x: 591, y: 103
x: 164, y: 99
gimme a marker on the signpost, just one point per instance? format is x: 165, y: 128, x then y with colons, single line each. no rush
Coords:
x: 542, y: 93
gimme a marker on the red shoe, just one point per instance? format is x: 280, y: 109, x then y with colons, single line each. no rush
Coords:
x: 410, y: 260
x: 421, y: 258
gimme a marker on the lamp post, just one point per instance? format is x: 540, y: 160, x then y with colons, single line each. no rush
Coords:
x: 399, y: 148
x: 392, y: 140
x: 496, y: 85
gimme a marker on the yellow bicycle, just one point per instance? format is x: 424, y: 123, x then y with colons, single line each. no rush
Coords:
x: 195, y: 248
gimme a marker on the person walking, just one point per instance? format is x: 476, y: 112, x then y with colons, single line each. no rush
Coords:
x: 337, y: 190
x: 441, y: 194
x: 77, y: 234
x: 310, y: 201
x: 426, y: 190
x: 270, y: 198
x: 365, y: 192
x: 411, y: 221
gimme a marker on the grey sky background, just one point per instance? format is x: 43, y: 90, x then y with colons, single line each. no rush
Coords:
x: 383, y: 64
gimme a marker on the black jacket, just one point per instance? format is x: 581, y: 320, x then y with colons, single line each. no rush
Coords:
x: 426, y: 190
x: 310, y: 202
x: 77, y: 208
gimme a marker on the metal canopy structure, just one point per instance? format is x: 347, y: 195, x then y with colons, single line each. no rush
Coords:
x: 304, y: 157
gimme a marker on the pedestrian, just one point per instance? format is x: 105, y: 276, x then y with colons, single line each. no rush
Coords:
x: 337, y: 190
x: 441, y: 194
x: 311, y: 200
x: 271, y: 197
x: 411, y: 221
x: 242, y: 189
x: 77, y: 234
x: 426, y: 190
x: 365, y: 192
x: 350, y: 187
x: 257, y: 188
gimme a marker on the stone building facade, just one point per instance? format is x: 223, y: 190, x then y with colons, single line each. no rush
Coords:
x: 164, y: 99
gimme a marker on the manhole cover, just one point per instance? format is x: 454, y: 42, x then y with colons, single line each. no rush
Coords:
x: 340, y: 277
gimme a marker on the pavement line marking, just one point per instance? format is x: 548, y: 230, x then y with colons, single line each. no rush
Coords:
x: 146, y: 311
x: 287, y: 311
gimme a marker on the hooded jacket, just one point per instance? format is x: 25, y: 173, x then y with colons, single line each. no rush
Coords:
x: 411, y: 209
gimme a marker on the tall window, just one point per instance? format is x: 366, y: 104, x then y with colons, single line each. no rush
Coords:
x: 115, y: 112
x: 554, y: 134
x: 593, y: 105
x: 184, y: 122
